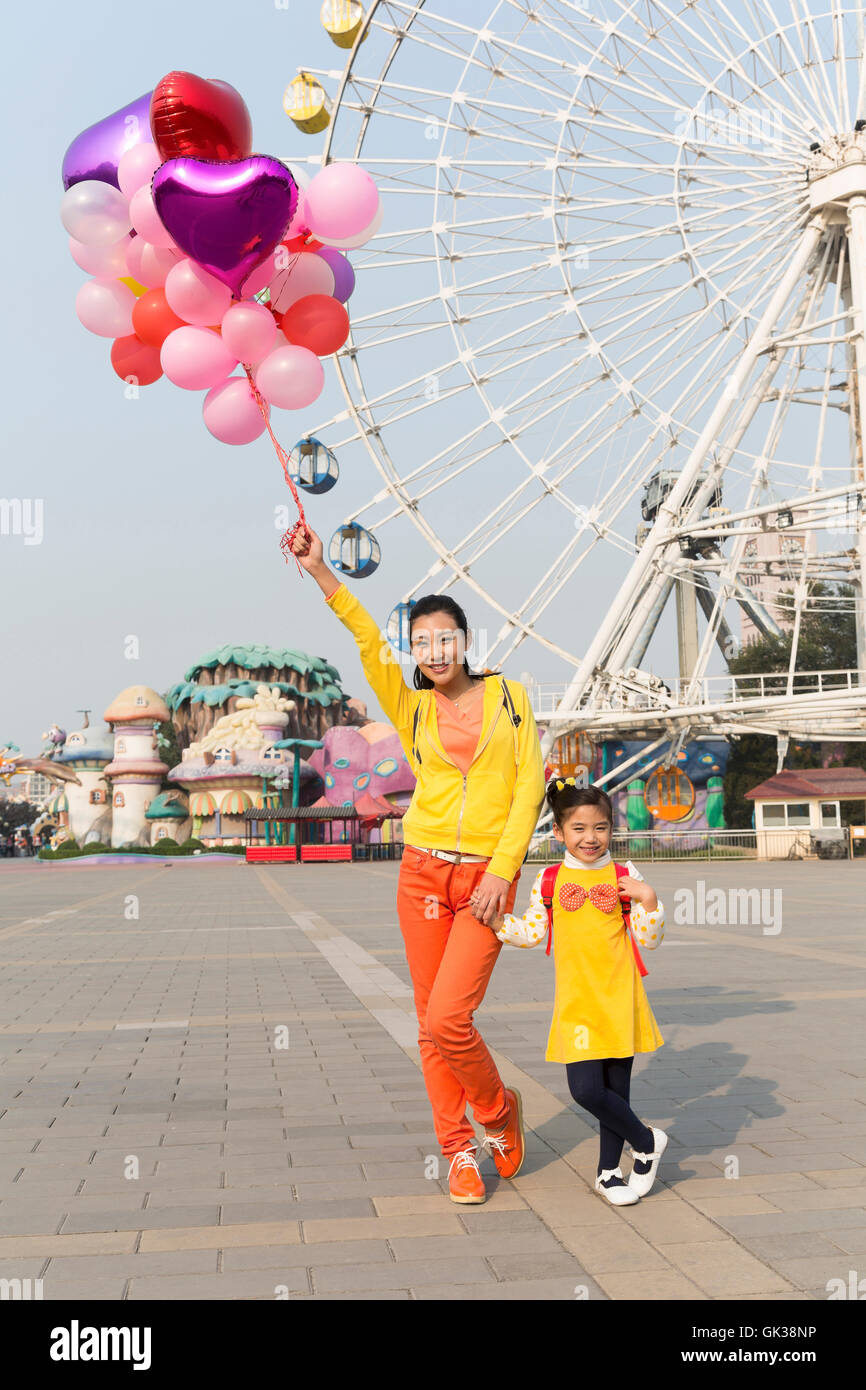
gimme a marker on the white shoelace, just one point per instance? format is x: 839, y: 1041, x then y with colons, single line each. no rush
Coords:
x: 494, y: 1141
x: 464, y: 1159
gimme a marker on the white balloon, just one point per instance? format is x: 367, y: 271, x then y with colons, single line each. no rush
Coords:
x: 103, y: 261
x: 95, y: 213
x: 105, y: 307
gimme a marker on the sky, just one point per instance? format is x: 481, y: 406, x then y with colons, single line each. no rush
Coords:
x: 157, y: 543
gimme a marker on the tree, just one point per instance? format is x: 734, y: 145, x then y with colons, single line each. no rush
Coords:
x: 827, y: 642
x: 16, y: 813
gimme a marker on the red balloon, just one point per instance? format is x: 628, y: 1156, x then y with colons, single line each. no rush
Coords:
x: 317, y: 322
x: 153, y: 318
x: 199, y: 118
x: 130, y: 357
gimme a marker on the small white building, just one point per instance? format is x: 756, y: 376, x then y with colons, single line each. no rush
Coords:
x: 136, y: 770
x: 88, y: 753
x: 795, y: 808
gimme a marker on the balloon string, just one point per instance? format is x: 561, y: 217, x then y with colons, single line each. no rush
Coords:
x: 301, y: 524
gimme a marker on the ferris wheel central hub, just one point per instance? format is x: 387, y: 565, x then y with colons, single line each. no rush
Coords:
x: 837, y: 171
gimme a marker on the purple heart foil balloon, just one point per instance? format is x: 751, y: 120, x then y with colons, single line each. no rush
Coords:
x: 96, y: 152
x: 226, y: 215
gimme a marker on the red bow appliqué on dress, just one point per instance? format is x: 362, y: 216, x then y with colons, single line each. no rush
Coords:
x: 602, y: 895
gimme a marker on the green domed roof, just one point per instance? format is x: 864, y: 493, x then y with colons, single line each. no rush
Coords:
x: 253, y: 655
x: 167, y: 806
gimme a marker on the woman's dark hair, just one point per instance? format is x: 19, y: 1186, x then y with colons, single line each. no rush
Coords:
x: 440, y: 603
x: 561, y: 802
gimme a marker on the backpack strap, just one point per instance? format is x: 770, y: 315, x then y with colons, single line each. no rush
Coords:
x: 622, y: 872
x: 548, y: 884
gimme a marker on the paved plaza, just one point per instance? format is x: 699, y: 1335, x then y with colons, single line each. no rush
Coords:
x: 210, y: 1090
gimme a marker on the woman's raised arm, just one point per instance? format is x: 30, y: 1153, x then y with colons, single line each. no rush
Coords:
x: 377, y: 656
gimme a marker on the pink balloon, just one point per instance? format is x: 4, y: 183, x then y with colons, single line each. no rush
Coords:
x: 194, y: 294
x: 340, y: 201
x: 360, y: 238
x: 107, y: 262
x: 105, y: 307
x: 146, y: 220
x: 306, y: 273
x: 249, y: 331
x: 149, y: 265
x: 136, y: 167
x: 290, y: 377
x: 196, y: 358
x: 231, y: 413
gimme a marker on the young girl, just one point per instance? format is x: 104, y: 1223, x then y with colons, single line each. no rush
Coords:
x: 601, y: 1015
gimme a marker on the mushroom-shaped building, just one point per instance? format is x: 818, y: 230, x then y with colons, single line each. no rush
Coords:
x: 168, y: 817
x: 238, y: 763
x: 136, y: 770
x: 214, y: 686
x: 88, y: 752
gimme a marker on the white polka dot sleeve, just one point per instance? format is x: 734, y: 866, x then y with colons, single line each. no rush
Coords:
x: 648, y: 927
x: 529, y: 929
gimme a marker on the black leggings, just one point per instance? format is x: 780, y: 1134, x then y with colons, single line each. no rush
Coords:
x: 602, y: 1088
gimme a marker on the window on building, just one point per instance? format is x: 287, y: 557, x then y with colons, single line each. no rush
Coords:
x: 120, y: 746
x: 118, y: 799
x: 97, y: 797
x: 830, y: 813
x: 798, y: 813
x: 140, y: 700
x: 773, y: 816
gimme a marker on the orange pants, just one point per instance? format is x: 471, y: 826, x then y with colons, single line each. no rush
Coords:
x: 451, y: 956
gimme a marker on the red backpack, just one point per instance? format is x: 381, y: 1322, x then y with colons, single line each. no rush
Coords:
x: 548, y: 884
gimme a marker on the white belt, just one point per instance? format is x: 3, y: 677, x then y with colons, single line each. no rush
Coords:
x: 452, y: 856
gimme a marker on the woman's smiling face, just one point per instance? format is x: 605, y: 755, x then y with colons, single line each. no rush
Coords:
x: 585, y: 831
x: 438, y: 647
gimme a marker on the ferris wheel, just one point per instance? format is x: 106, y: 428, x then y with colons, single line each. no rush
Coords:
x: 609, y: 363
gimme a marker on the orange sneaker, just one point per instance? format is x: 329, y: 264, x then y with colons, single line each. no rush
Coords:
x: 507, y: 1145
x: 465, y: 1183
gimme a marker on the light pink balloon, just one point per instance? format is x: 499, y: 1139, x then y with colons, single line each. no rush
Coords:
x: 137, y: 167
x: 194, y: 294
x: 290, y: 377
x: 106, y: 262
x: 95, y: 212
x: 231, y: 413
x: 249, y: 331
x: 196, y: 358
x: 261, y: 277
x: 305, y: 274
x: 360, y: 238
x: 340, y: 201
x: 146, y: 219
x: 149, y: 265
x: 105, y: 307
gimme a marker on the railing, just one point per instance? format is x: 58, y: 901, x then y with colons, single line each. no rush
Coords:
x: 655, y: 845
x: 710, y: 690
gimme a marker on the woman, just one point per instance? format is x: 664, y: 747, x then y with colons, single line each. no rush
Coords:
x: 473, y: 745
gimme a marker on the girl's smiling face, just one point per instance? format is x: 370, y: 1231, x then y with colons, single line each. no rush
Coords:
x: 585, y: 831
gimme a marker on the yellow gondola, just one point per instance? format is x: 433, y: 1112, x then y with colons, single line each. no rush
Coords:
x: 341, y: 20
x: 669, y: 794
x: 305, y: 102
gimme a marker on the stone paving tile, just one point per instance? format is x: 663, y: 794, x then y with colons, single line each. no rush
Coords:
x: 239, y: 1140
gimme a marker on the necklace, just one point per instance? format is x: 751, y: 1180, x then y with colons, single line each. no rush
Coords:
x: 471, y: 691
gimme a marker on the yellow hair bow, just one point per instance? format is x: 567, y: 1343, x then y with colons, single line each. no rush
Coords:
x: 560, y: 784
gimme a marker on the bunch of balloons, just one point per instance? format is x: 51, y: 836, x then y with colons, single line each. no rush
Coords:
x: 207, y: 258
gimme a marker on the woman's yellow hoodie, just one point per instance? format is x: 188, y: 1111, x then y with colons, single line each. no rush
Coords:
x: 492, y: 809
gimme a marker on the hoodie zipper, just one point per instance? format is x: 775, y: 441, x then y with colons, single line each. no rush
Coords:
x: 475, y: 758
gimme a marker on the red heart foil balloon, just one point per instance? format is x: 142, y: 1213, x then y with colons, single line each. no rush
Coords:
x: 199, y: 118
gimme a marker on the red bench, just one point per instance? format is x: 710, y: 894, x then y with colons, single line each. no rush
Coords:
x: 273, y: 853
x: 331, y: 853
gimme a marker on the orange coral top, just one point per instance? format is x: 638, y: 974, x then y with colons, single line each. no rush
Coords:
x: 460, y: 729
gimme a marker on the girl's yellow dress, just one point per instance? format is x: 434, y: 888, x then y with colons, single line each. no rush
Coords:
x: 600, y: 1005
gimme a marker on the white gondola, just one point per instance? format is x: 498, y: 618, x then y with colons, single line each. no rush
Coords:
x: 312, y: 466
x: 354, y: 551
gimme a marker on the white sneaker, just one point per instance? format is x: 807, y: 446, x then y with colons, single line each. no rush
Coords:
x: 642, y: 1182
x: 619, y: 1194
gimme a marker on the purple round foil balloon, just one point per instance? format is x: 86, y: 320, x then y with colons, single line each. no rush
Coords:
x: 344, y: 275
x: 96, y: 152
x: 226, y: 215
